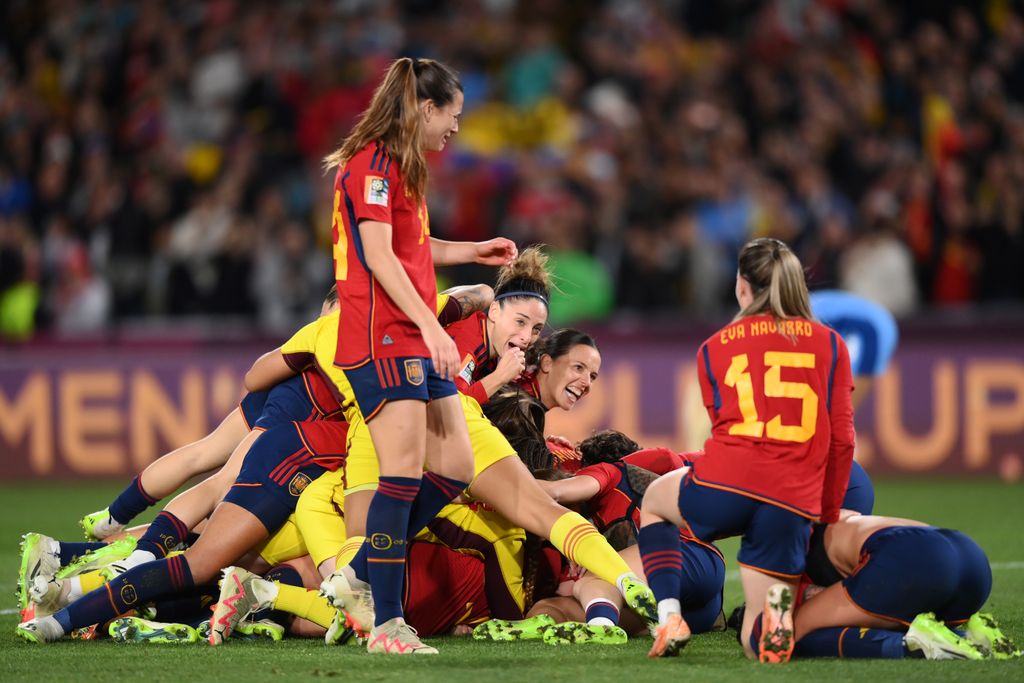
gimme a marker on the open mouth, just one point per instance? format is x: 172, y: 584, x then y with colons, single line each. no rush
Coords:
x: 573, y: 395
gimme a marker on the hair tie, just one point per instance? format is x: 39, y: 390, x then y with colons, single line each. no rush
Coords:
x: 508, y: 295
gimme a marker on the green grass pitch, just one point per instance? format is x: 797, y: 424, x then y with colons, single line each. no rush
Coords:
x: 991, y: 512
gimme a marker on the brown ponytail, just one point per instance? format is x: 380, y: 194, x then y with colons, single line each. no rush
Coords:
x: 394, y: 119
x: 777, y: 279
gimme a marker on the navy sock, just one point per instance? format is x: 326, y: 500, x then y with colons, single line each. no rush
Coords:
x: 165, y: 534
x: 755, y: 633
x: 435, y: 492
x: 69, y: 550
x: 288, y: 575
x: 602, y: 608
x: 191, y: 607
x: 131, y: 502
x: 851, y: 642
x: 137, y: 586
x: 387, y: 523
x: 662, y: 559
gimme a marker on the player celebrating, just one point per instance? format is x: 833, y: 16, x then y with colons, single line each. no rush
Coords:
x: 897, y: 583
x: 777, y: 387
x: 398, y: 359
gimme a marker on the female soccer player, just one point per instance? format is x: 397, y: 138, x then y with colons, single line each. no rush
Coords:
x: 777, y: 387
x: 893, y: 585
x: 398, y: 359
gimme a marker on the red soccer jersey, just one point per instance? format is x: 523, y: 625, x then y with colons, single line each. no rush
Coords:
x: 781, y: 414
x: 326, y: 441
x: 615, y: 496
x: 443, y: 588
x: 369, y: 187
x: 474, y: 345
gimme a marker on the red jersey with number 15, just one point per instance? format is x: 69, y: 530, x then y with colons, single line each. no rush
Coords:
x: 781, y: 414
x: 369, y: 187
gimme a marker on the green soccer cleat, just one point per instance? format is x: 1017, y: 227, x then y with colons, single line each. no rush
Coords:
x: 932, y: 638
x: 503, y: 630
x: 40, y: 558
x: 984, y: 633
x: 100, y: 558
x: 576, y: 633
x: 138, y: 630
x: 640, y: 599
x: 100, y: 525
x: 262, y: 630
x: 341, y: 631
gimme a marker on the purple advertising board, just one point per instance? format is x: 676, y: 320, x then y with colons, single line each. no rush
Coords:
x: 948, y: 404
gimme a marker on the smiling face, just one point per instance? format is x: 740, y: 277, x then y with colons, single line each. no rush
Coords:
x: 440, y: 123
x: 567, y: 379
x: 515, y: 322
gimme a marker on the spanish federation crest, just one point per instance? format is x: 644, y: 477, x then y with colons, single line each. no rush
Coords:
x: 414, y: 371
x: 298, y: 484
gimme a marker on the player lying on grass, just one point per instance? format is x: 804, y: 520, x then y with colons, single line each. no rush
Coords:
x: 893, y: 587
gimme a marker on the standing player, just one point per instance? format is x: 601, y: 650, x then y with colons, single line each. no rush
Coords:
x: 398, y: 359
x: 777, y: 387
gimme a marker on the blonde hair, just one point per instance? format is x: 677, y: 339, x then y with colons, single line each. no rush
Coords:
x: 776, y: 278
x: 393, y: 118
x: 527, y: 276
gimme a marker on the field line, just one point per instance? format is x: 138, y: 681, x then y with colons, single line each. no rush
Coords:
x: 734, y: 574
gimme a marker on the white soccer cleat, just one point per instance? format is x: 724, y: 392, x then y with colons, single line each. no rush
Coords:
x: 241, y: 593
x: 395, y: 637
x: 356, y: 602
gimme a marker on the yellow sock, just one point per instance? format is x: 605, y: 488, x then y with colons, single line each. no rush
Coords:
x: 577, y: 539
x: 308, y: 604
x: 90, y: 581
x: 349, y: 550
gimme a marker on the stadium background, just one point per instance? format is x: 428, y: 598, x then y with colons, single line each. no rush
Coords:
x: 164, y: 217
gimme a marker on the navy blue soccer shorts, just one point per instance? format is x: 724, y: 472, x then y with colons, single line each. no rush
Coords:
x: 396, y: 379
x: 907, y: 570
x: 275, y: 472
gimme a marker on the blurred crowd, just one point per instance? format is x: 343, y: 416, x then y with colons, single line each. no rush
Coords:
x: 163, y: 159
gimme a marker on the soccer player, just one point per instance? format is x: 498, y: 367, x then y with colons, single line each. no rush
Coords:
x: 869, y: 331
x: 777, y: 388
x: 893, y: 586
x: 399, y: 361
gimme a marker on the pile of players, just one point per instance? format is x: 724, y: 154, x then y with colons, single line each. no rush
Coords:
x: 387, y: 478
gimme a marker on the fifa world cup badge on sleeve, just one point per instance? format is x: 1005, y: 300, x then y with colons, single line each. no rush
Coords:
x: 376, y: 190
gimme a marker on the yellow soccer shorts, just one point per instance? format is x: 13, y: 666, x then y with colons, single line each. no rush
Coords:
x: 489, y: 446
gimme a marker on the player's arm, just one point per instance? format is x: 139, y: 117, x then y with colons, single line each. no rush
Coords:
x: 572, y: 490
x: 840, y: 457
x: 495, y: 252
x: 388, y: 271
x: 269, y: 369
x: 470, y: 299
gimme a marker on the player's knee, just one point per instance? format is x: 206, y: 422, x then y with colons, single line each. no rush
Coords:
x: 659, y: 495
